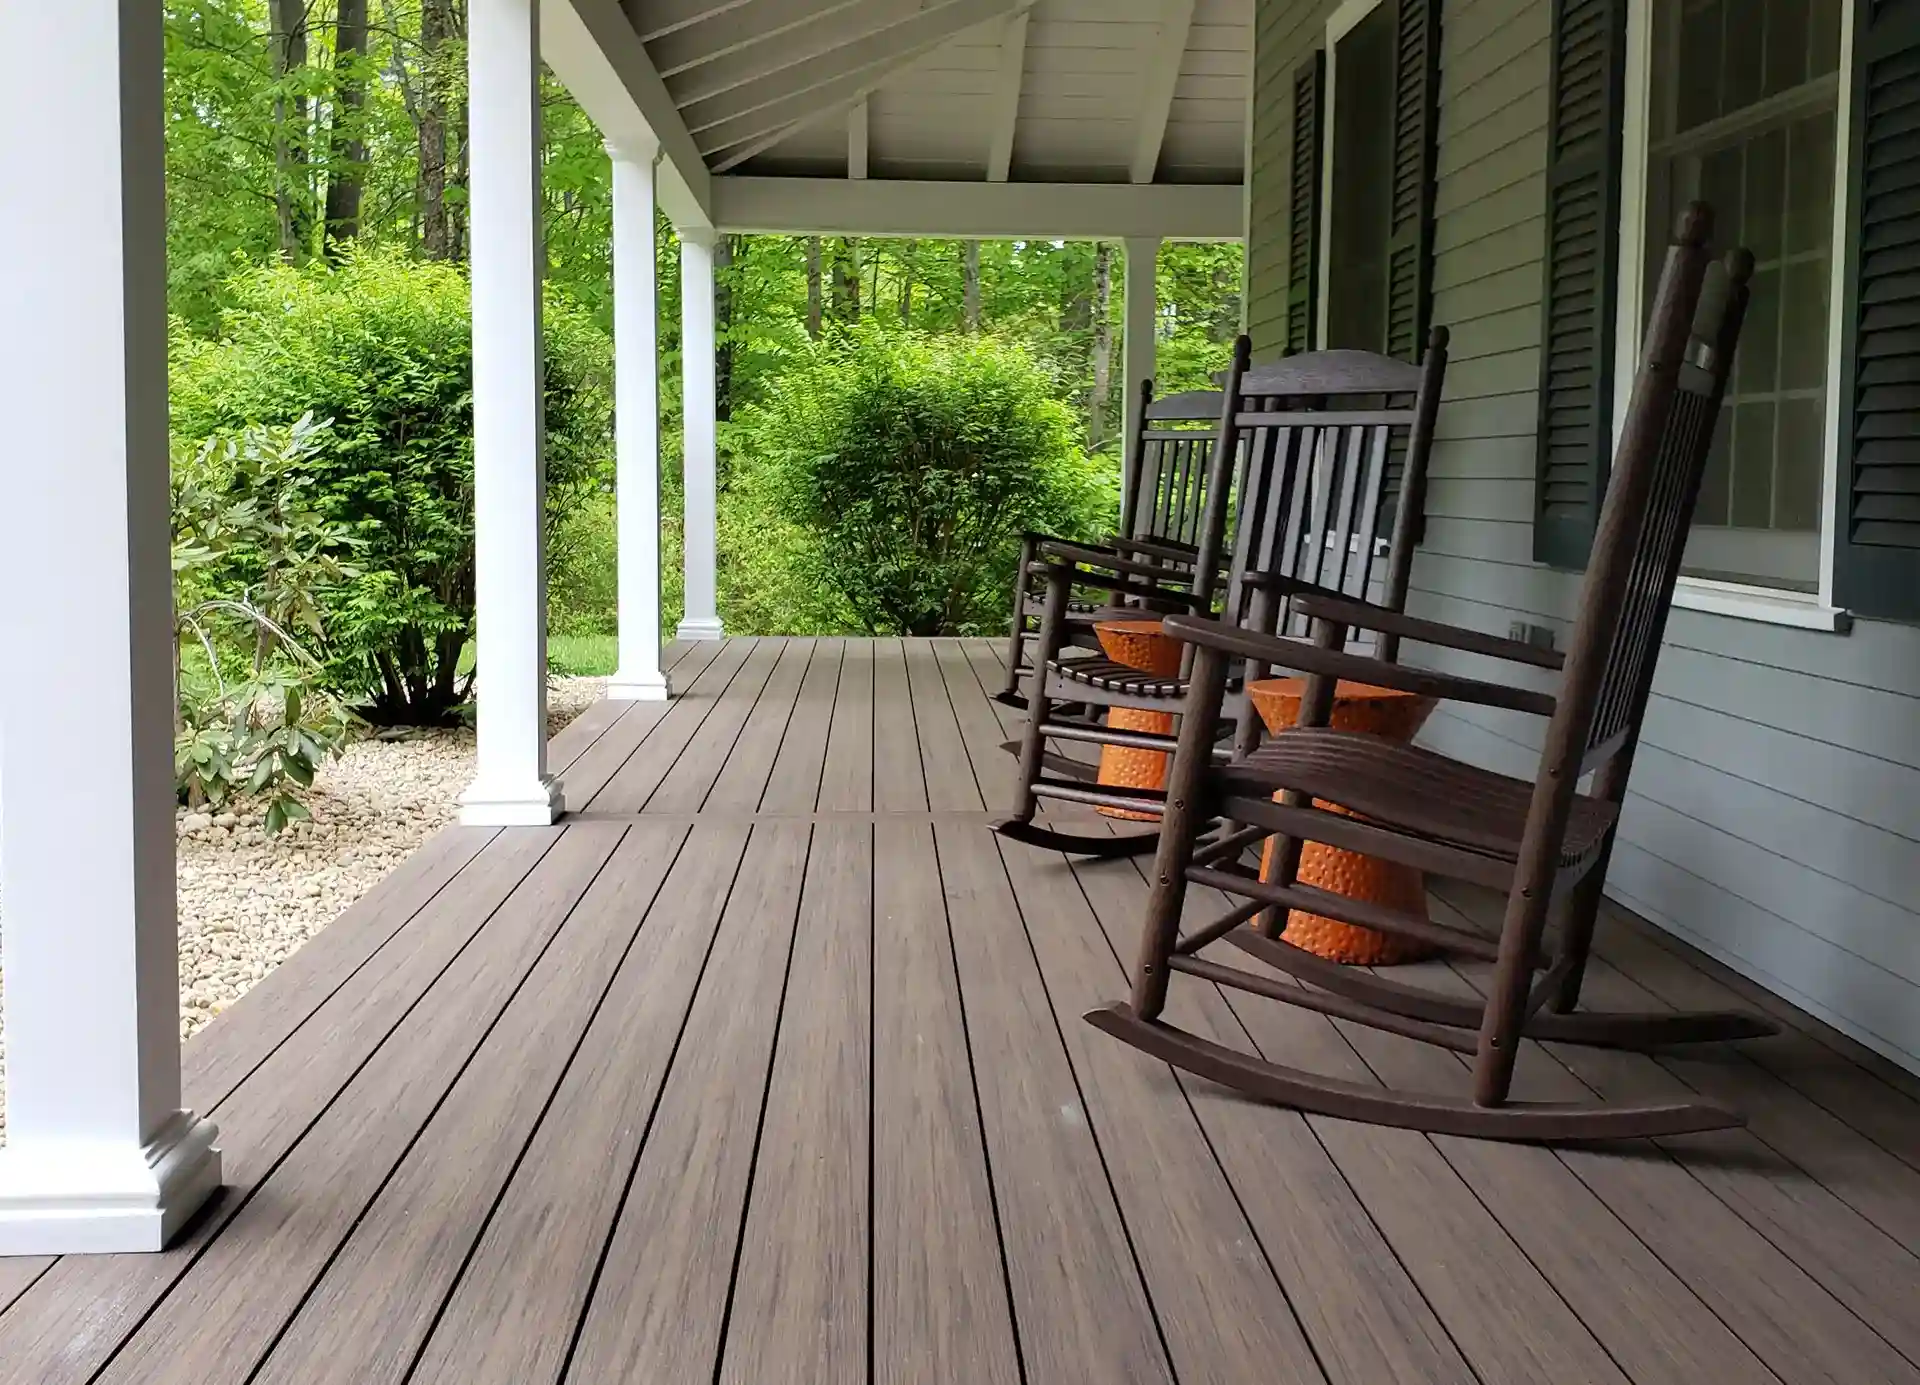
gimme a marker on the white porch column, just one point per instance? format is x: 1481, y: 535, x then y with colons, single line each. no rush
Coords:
x: 511, y: 786
x: 1143, y: 255
x: 701, y: 618
x: 100, y: 1155
x: 636, y: 412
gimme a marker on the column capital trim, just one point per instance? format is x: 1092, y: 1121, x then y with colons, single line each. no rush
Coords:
x: 706, y: 237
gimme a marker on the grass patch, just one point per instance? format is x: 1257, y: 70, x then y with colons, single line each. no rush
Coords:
x: 570, y: 656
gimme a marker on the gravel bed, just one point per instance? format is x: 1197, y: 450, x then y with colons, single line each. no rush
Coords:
x: 247, y: 901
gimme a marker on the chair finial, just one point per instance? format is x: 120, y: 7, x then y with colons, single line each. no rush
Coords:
x: 1696, y: 224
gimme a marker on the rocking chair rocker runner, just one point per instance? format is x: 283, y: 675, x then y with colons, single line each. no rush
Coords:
x: 1314, y: 454
x: 1544, y: 843
x: 1162, y: 517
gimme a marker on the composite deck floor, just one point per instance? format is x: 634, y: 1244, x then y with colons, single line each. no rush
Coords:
x: 767, y: 1066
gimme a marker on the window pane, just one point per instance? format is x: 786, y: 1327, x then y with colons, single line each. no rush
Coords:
x: 1362, y: 184
x: 1742, y: 116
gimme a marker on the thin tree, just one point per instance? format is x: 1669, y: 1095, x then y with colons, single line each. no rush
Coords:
x: 813, y: 287
x: 346, y: 148
x: 846, y: 281
x: 1102, y: 343
x: 438, y: 25
x: 970, y: 282
x: 292, y: 193
x: 908, y: 259
x: 727, y: 252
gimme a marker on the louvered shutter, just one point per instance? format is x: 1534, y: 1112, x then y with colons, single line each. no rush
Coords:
x: 1579, y: 296
x: 1303, y: 217
x: 1876, y: 568
x: 1409, y: 297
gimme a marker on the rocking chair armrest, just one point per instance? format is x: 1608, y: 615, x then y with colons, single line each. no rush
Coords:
x: 1121, y: 586
x: 1158, y: 548
x: 1306, y: 658
x: 1101, y: 558
x: 1368, y: 616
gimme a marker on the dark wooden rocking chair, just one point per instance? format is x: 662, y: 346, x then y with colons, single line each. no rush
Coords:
x: 1314, y: 453
x: 1544, y: 843
x: 1162, y: 517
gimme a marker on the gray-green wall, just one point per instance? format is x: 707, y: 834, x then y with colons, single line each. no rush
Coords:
x: 1775, y: 813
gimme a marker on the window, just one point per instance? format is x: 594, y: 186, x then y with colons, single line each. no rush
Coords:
x: 1740, y: 105
x: 1360, y: 152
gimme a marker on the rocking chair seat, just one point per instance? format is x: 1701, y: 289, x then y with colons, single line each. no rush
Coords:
x: 1414, y: 790
x: 1110, y: 676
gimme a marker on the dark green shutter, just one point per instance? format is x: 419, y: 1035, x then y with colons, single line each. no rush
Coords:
x: 1579, y: 296
x: 1416, y: 102
x: 1876, y: 559
x: 1303, y: 218
x: 1409, y: 296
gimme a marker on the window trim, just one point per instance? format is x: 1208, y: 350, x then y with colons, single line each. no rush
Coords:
x: 1340, y: 23
x: 1752, y: 601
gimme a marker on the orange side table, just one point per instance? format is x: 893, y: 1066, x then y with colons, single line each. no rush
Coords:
x: 1383, y: 712
x: 1140, y: 644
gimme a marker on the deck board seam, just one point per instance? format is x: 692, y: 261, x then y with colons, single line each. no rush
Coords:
x: 226, y: 1213
x: 618, y: 1211
x: 406, y: 1150
x: 546, y: 1106
x: 806, y: 662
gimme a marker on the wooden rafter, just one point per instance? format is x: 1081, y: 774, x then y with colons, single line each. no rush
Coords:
x: 1160, y: 74
x: 857, y: 139
x: 803, y: 90
x: 1008, y: 81
x: 765, y: 37
x: 653, y: 18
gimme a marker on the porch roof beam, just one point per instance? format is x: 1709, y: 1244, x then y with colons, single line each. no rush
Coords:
x: 983, y: 211
x: 593, y: 49
x: 1164, y: 54
x: 651, y: 19
x: 767, y: 51
x: 730, y: 31
x: 801, y: 91
x: 1007, y: 83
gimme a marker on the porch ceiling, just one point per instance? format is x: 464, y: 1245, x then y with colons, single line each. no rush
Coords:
x: 1129, y: 92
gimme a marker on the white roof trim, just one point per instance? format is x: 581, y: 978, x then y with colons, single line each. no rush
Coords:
x: 593, y: 49
x: 1161, y: 58
x: 907, y: 207
x: 1006, y: 96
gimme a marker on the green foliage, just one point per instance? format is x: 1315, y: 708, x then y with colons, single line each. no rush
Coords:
x: 381, y: 347
x: 911, y: 464
x: 254, y: 563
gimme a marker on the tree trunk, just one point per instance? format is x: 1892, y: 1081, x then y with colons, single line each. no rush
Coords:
x: 347, y: 151
x: 846, y: 281
x: 907, y: 266
x: 725, y: 250
x: 970, y: 282
x: 287, y: 47
x: 1102, y: 343
x: 436, y: 227
x: 813, y: 287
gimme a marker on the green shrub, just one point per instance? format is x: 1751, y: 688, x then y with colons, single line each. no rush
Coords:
x: 904, y: 468
x: 253, y: 564
x: 380, y: 348
x: 583, y: 586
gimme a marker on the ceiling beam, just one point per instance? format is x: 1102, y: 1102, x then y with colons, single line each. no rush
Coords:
x: 1007, y: 82
x: 971, y: 210
x: 758, y: 44
x: 857, y: 139
x: 592, y: 48
x: 653, y: 18
x: 1160, y: 74
x: 802, y: 90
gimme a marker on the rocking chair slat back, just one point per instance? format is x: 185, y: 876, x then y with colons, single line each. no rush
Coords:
x: 1656, y: 480
x: 1175, y: 440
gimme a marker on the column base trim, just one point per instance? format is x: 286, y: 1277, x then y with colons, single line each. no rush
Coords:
x: 639, y: 687
x: 537, y: 804
x: 75, y: 1197
x: 701, y: 630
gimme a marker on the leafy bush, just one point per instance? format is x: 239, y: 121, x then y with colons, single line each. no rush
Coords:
x: 381, y: 348
x: 905, y: 468
x: 254, y: 562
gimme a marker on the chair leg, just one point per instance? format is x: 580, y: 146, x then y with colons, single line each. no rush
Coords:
x: 1583, y: 909
x: 1316, y: 709
x: 1506, y: 1010
x: 1033, y: 747
x: 1180, y: 824
x: 1018, y: 639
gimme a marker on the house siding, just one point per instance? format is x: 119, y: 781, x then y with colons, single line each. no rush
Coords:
x: 1774, y: 818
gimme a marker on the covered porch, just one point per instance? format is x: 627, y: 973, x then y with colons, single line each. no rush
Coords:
x: 766, y: 1064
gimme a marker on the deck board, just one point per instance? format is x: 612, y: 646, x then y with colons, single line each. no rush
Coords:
x: 767, y: 1068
